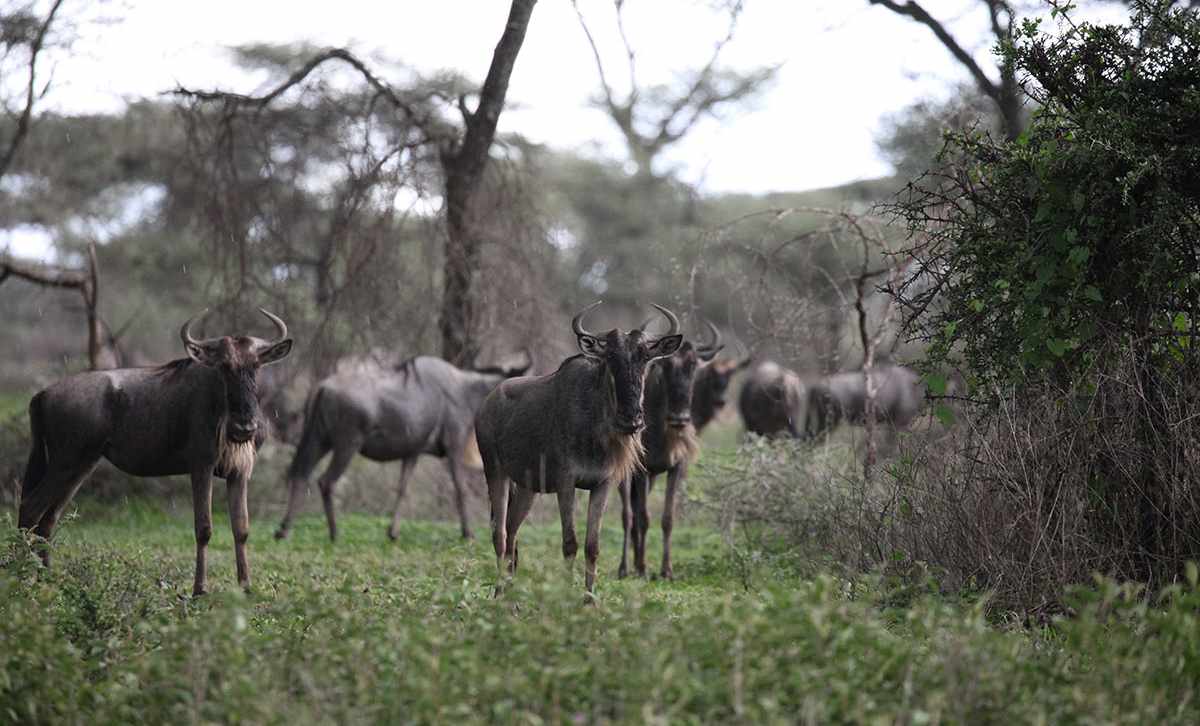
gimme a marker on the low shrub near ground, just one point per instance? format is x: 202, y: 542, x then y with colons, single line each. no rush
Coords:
x: 369, y: 631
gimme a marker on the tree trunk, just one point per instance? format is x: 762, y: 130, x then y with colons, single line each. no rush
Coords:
x: 464, y: 165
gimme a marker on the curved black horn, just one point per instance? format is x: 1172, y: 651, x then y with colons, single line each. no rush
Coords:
x: 715, y: 343
x: 577, y: 321
x: 670, y: 316
x: 279, y: 325
x: 185, y: 333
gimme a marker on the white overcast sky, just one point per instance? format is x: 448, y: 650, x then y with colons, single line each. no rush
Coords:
x: 845, y: 66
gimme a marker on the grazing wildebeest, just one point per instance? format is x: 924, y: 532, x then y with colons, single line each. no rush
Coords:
x: 424, y: 406
x: 198, y: 415
x: 712, y: 383
x: 669, y: 443
x: 575, y: 428
x: 843, y: 397
x: 773, y: 400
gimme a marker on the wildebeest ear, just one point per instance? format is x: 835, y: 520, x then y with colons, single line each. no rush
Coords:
x: 202, y: 354
x: 275, y: 353
x: 665, y: 346
x: 707, y: 354
x: 592, y: 347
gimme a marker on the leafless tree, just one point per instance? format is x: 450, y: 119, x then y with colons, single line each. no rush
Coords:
x: 653, y: 118
x: 102, y: 348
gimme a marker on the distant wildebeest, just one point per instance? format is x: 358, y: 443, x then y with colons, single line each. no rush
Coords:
x: 423, y: 406
x: 773, y: 400
x: 899, y: 396
x: 670, y: 444
x: 712, y: 383
x: 198, y: 415
x: 575, y: 428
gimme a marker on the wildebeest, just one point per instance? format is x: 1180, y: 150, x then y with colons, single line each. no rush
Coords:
x: 669, y: 443
x: 712, y: 383
x: 899, y: 397
x: 773, y: 400
x: 574, y: 428
x: 198, y: 415
x: 424, y: 406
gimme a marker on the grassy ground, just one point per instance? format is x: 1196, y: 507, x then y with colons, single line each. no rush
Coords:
x: 372, y: 631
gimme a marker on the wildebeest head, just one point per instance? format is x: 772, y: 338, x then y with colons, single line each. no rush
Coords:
x: 678, y: 373
x: 712, y: 383
x: 626, y: 357
x: 238, y: 359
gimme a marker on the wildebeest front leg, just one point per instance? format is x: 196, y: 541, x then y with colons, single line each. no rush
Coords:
x: 202, y: 514
x: 675, y: 477
x: 639, y: 492
x: 457, y: 475
x: 626, y: 525
x: 239, y: 522
x: 406, y: 467
x: 566, y: 512
x: 591, y: 543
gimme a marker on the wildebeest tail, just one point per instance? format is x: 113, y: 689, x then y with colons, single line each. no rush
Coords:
x: 311, y: 446
x: 35, y: 468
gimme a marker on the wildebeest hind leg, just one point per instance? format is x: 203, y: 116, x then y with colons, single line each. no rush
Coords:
x: 44, y: 505
x: 406, y: 467
x: 457, y: 475
x: 519, y: 503
x: 498, y: 487
x: 342, y: 454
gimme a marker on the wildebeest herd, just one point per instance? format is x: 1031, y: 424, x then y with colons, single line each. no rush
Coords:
x: 625, y: 409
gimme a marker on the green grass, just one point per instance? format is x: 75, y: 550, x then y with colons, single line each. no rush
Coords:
x: 367, y: 631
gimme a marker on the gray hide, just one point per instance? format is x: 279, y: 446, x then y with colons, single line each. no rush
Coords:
x: 899, y: 396
x: 197, y: 416
x: 424, y: 406
x: 772, y: 401
x: 575, y: 428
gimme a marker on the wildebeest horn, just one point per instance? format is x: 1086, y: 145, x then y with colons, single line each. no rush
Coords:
x: 577, y: 321
x: 185, y: 333
x: 279, y: 325
x: 715, y: 343
x: 670, y: 316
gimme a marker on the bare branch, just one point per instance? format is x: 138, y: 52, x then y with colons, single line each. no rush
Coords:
x: 31, y: 96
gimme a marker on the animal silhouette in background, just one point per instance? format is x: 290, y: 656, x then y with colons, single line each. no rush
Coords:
x: 424, y: 406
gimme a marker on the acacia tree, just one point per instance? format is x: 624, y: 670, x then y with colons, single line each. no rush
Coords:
x: 23, y: 36
x: 463, y: 156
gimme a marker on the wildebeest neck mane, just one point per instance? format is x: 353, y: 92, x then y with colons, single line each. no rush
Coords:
x: 175, y: 368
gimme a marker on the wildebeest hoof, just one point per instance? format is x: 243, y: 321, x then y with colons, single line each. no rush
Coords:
x: 622, y: 573
x: 393, y: 535
x: 589, y: 598
x: 199, y: 592
x: 469, y: 535
x: 667, y: 575
x: 281, y: 533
